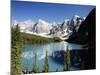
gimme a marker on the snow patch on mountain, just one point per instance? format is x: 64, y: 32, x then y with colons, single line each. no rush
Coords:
x: 49, y: 30
x: 41, y: 27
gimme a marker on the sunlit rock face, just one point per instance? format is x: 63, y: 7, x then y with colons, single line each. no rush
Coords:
x: 41, y: 27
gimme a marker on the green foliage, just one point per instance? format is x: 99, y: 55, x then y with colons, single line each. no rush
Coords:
x: 67, y: 60
x: 16, y: 51
x: 45, y: 67
x: 56, y: 39
x: 35, y: 67
x: 27, y: 68
x: 16, y: 37
x: 16, y: 67
x: 34, y: 39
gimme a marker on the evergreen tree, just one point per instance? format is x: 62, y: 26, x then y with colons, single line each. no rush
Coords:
x: 35, y: 67
x: 67, y: 60
x: 16, y: 37
x: 46, y: 64
x: 65, y: 65
x: 16, y: 51
x: 27, y: 68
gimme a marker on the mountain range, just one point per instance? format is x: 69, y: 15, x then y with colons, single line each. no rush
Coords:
x: 41, y: 27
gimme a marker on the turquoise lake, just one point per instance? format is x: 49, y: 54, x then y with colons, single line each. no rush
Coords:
x: 29, y: 53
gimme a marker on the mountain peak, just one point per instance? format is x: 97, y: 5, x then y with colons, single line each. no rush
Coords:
x: 29, y: 21
x: 76, y: 16
x: 42, y: 21
x: 66, y: 20
x: 84, y: 18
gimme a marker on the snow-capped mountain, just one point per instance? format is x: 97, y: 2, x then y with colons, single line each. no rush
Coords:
x: 60, y: 30
x: 24, y: 25
x: 42, y: 28
x: 64, y: 24
x: 75, y: 22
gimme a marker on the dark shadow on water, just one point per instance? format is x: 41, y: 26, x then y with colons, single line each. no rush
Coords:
x: 58, y: 57
x: 83, y: 59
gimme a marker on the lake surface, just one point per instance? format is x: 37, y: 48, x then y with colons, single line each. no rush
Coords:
x: 29, y: 53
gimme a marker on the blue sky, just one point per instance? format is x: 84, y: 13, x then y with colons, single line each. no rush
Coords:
x: 49, y: 12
